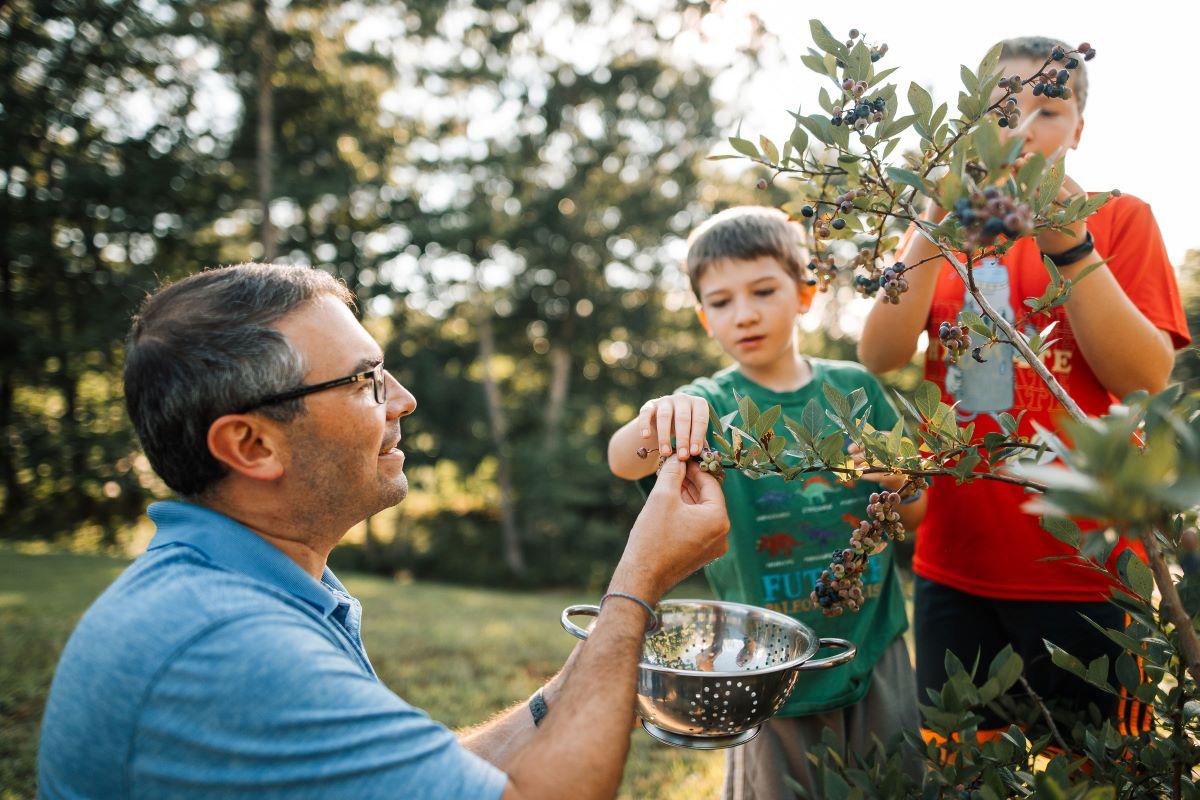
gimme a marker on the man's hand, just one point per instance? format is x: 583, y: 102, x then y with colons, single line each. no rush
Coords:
x: 681, y: 528
x: 682, y: 414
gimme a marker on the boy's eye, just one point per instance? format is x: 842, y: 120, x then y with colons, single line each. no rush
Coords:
x: 718, y: 303
x: 765, y: 292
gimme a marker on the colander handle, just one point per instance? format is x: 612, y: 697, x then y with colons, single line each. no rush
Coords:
x: 571, y: 627
x: 834, y: 660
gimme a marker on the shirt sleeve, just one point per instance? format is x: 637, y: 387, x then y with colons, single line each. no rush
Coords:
x: 267, y: 706
x: 1138, y: 260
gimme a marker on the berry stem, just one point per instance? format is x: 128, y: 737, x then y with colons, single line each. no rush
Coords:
x: 1189, y: 645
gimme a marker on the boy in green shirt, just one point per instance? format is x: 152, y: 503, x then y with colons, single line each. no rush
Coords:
x: 746, y: 268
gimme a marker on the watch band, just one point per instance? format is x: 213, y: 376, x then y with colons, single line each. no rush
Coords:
x: 537, y: 707
x: 1069, y: 257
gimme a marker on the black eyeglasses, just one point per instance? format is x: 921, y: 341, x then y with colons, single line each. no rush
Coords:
x: 376, y: 374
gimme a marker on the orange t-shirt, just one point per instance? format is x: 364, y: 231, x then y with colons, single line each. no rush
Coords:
x: 974, y: 537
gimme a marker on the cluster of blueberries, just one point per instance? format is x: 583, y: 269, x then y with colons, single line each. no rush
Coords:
x: 840, y: 587
x: 991, y: 213
x: 857, y: 113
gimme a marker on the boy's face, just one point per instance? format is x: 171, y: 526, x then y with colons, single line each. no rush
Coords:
x: 1049, y: 125
x: 750, y: 308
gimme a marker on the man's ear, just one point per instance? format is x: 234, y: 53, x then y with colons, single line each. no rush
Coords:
x: 703, y: 319
x: 248, y: 445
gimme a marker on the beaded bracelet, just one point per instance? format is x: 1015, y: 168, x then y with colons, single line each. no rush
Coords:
x: 654, y: 620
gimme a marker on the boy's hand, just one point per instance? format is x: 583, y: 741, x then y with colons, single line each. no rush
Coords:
x: 888, y: 481
x: 683, y: 414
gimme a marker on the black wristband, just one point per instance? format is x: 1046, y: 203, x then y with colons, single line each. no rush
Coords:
x: 1069, y: 257
x: 537, y: 707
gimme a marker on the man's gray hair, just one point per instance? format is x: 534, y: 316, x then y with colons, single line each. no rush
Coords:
x: 1039, y: 48
x: 203, y: 347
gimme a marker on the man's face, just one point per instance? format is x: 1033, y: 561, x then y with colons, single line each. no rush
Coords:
x: 751, y: 307
x: 1048, y: 125
x: 343, y: 459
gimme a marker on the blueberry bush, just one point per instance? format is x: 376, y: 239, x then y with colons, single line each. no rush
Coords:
x: 856, y: 187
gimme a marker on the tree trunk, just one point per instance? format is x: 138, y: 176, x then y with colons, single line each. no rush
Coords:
x: 266, y: 125
x: 513, y: 556
x: 14, y: 497
x: 560, y: 384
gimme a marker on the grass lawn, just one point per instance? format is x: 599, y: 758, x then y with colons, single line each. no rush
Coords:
x: 461, y: 654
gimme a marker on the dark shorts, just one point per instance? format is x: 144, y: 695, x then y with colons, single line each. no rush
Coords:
x: 977, y: 628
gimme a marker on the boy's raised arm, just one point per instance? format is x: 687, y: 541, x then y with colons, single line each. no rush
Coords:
x: 889, y: 336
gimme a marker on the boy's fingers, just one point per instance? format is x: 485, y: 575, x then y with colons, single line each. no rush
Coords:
x: 683, y: 427
x: 646, y: 418
x: 664, y: 417
x: 699, y: 426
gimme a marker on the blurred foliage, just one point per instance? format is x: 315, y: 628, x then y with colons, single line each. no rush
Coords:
x: 504, y: 185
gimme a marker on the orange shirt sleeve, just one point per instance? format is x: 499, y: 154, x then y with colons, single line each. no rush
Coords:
x: 1138, y: 260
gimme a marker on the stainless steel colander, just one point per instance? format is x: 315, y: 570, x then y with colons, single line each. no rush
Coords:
x: 715, y: 671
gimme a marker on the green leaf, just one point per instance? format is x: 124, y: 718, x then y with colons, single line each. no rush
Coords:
x: 836, y: 399
x: 975, y: 323
x: 990, y: 62
x: 830, y: 449
x: 906, y: 177
x: 819, y: 127
x: 769, y: 149
x: 1127, y: 672
x: 1063, y: 529
x: 767, y: 420
x: 1031, y: 171
x: 969, y: 79
x: 1049, y: 187
x: 825, y: 40
x: 727, y: 420
x: 921, y: 102
x: 814, y: 62
x: 987, y: 144
x: 744, y: 146
x: 1135, y: 574
x: 799, y: 140
x: 1065, y: 660
x: 894, y: 128
x: 858, y: 399
x: 813, y: 417
x: 749, y: 412
x: 927, y: 397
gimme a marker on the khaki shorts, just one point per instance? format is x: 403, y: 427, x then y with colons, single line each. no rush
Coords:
x: 755, y: 771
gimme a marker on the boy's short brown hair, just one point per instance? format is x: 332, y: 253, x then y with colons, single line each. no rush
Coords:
x: 1039, y: 48
x: 745, y: 233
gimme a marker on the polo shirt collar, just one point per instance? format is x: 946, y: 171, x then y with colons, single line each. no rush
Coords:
x: 231, y: 545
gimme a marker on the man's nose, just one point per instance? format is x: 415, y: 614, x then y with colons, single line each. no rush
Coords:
x: 400, y: 401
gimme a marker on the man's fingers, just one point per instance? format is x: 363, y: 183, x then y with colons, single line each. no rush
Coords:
x: 710, y: 487
x: 670, y: 476
x: 699, y: 426
x: 683, y: 428
x: 664, y: 417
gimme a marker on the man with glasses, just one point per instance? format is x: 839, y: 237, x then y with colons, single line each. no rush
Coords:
x: 227, y: 661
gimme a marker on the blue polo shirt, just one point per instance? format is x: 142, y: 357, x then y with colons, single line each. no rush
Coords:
x: 215, y: 667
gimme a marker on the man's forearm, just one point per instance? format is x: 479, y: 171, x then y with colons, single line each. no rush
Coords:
x: 580, y: 749
x: 503, y: 736
x: 1123, y: 348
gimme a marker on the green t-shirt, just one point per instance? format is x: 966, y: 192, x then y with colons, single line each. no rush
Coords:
x: 783, y: 534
